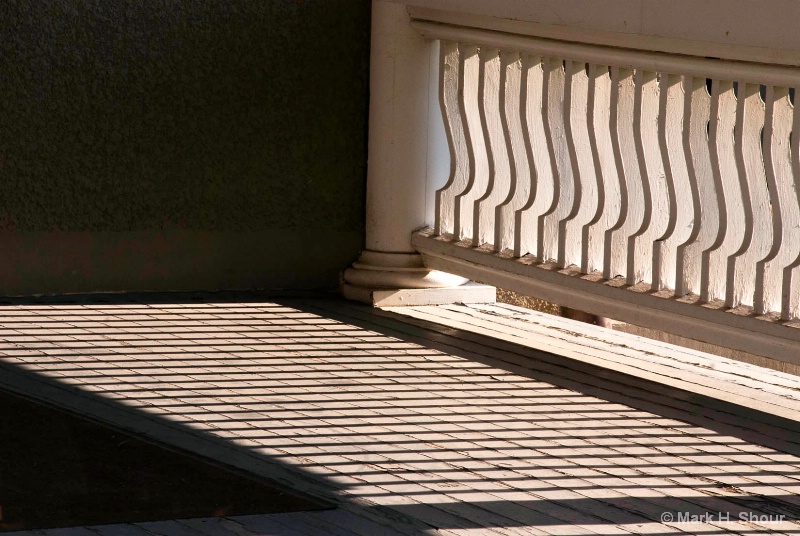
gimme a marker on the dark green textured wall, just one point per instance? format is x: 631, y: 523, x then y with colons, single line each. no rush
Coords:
x: 179, y: 145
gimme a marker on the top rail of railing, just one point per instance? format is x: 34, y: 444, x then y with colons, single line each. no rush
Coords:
x: 762, y: 32
x: 740, y: 71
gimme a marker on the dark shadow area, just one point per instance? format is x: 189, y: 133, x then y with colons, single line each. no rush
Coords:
x: 138, y: 142
x: 60, y: 470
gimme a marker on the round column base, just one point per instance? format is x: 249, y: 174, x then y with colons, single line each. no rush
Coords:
x: 397, y: 271
x: 388, y: 279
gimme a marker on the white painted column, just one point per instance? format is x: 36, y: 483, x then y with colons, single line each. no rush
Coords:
x: 389, y: 271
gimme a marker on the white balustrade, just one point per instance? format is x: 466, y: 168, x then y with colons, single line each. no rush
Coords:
x: 683, y: 192
x: 672, y: 176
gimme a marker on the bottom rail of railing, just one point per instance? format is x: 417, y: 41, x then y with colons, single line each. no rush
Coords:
x: 713, y: 323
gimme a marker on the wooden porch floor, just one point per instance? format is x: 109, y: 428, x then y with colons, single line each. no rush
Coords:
x: 419, y: 421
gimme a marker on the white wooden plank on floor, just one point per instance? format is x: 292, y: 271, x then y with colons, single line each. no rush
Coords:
x: 685, y: 359
x: 589, y: 350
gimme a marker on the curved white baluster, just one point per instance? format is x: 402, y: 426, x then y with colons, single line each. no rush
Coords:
x: 655, y: 197
x: 679, y: 220
x: 490, y: 94
x: 622, y: 106
x: 790, y: 299
x: 528, y: 219
x: 519, y: 171
x: 629, y: 137
x: 785, y: 213
x: 713, y: 279
x: 757, y: 238
x: 698, y: 163
x: 607, y: 185
x: 554, y: 86
x: 476, y: 146
x: 449, y: 79
x: 583, y: 205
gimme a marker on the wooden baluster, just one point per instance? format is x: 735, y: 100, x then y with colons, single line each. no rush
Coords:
x: 592, y: 233
x: 449, y: 81
x: 785, y: 211
x: 790, y: 299
x: 622, y: 103
x: 607, y: 185
x: 579, y: 210
x: 476, y: 148
x: 554, y: 86
x: 528, y: 218
x: 519, y: 170
x: 757, y: 238
x: 679, y: 218
x: 630, y: 111
x: 491, y: 93
x: 654, y: 196
x: 704, y: 197
x: 730, y: 229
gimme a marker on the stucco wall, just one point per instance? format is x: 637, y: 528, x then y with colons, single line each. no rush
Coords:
x: 195, y: 144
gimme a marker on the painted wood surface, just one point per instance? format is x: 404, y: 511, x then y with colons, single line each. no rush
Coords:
x: 675, y: 172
